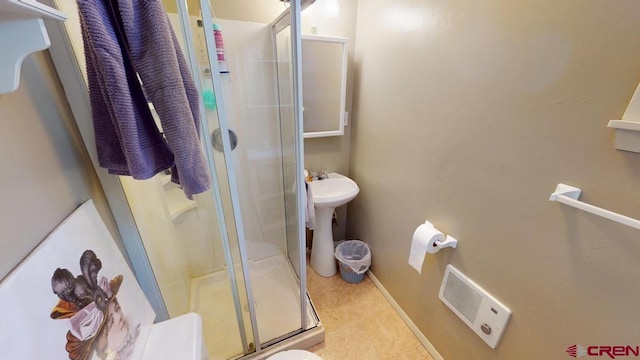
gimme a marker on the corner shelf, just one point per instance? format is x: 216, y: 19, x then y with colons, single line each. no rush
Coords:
x: 628, y: 128
x: 175, y: 202
x: 627, y: 135
x: 31, y: 8
x: 22, y: 21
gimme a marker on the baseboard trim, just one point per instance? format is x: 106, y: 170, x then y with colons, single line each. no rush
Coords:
x: 414, y: 329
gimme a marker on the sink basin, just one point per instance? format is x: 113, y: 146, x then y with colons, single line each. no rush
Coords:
x: 335, y: 191
x: 328, y: 194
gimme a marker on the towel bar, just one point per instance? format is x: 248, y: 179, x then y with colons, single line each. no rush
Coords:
x: 569, y: 195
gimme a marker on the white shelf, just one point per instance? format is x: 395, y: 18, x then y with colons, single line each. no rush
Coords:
x: 627, y: 135
x: 20, y: 8
x: 176, y: 203
x: 628, y: 129
x: 624, y: 125
x: 23, y: 33
x: 178, y: 210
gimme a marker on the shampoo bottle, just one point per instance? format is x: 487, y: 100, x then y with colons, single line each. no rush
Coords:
x: 222, y: 61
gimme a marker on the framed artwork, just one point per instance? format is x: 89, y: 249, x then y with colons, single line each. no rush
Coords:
x: 74, y: 297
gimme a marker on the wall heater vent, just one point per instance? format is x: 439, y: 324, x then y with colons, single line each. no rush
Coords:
x: 483, y: 313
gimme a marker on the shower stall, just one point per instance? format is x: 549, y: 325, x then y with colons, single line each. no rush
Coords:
x: 234, y: 254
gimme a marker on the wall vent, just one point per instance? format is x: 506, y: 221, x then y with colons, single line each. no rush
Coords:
x: 483, y: 313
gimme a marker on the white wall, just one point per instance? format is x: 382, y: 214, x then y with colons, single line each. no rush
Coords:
x: 163, y: 244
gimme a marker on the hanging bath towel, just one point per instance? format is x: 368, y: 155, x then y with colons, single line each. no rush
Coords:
x: 123, y: 40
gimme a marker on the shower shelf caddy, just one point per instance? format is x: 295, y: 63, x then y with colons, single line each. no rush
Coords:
x: 22, y: 20
x: 173, y: 199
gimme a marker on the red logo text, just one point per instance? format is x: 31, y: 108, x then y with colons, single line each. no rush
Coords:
x: 612, y: 352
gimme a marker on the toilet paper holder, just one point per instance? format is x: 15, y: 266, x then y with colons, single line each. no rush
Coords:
x: 427, y: 239
x: 449, y: 241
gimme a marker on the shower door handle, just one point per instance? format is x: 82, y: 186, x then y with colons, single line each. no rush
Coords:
x: 216, y: 140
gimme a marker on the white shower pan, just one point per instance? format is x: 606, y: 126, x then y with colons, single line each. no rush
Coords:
x: 276, y: 292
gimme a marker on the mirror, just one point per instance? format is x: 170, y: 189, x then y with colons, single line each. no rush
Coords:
x: 324, y: 83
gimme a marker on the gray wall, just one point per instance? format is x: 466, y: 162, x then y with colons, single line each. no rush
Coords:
x: 46, y: 170
x: 332, y: 153
x: 468, y: 114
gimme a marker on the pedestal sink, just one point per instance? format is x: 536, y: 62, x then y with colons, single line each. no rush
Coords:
x: 328, y: 194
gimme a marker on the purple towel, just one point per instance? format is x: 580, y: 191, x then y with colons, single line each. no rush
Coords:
x: 122, y: 42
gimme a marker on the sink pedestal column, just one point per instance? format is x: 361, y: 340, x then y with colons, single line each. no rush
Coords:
x: 322, y: 259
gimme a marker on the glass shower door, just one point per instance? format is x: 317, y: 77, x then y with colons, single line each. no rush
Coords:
x: 229, y: 327
x: 255, y: 99
x: 287, y: 43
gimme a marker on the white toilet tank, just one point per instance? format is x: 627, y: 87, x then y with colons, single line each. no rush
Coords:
x: 294, y: 355
x: 178, y: 338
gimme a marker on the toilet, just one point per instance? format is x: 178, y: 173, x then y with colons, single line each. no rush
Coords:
x: 294, y: 355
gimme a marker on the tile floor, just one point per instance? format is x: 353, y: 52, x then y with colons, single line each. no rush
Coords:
x: 359, y: 322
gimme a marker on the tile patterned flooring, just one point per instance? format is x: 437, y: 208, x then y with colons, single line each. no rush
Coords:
x: 359, y: 322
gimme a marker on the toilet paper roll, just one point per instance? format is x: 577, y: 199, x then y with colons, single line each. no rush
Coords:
x: 424, y: 239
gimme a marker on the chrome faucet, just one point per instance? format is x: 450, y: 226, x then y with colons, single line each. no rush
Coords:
x: 316, y: 175
x: 321, y: 175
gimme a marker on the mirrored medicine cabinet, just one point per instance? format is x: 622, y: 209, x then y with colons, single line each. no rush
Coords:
x: 324, y: 83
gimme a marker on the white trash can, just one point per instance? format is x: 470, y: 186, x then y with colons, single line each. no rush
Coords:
x: 354, y: 257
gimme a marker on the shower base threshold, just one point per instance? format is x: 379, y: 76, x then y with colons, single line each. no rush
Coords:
x: 276, y: 294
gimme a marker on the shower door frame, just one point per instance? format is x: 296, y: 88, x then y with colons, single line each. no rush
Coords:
x: 183, y: 13
x: 207, y: 21
x: 294, y: 11
x: 292, y: 18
